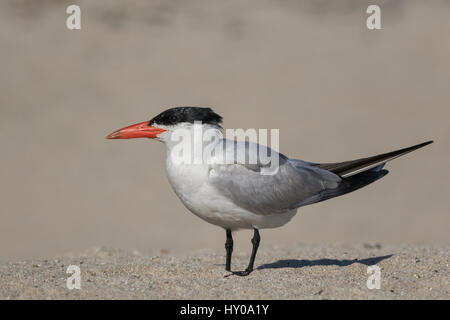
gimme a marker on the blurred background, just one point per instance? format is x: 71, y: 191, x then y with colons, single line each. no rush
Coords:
x: 336, y: 90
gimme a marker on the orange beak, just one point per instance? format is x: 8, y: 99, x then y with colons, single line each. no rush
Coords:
x: 138, y: 130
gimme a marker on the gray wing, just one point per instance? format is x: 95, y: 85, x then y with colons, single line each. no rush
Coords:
x: 294, y: 184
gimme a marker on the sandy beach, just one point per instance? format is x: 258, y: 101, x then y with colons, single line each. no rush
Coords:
x: 301, y: 272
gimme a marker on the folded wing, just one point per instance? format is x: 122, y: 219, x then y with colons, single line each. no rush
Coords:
x: 246, y: 186
x: 297, y: 183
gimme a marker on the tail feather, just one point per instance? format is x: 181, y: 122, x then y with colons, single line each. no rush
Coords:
x: 348, y: 185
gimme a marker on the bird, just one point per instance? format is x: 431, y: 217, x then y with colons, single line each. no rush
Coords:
x: 234, y: 193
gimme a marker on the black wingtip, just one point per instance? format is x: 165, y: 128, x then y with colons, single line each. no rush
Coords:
x: 427, y: 142
x: 349, y: 168
x: 404, y: 151
x: 420, y: 145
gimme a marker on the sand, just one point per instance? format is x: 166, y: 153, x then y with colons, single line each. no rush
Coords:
x: 300, y: 272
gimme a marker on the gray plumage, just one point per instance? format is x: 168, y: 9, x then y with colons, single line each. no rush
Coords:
x: 297, y: 183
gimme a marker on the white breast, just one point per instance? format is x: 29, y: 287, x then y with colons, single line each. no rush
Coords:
x: 192, y: 185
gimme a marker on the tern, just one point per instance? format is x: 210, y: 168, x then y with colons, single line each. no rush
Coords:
x: 234, y: 193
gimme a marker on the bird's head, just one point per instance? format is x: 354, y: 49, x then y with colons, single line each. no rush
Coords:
x: 168, y: 121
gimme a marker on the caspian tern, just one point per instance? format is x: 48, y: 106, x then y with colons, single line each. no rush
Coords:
x: 238, y: 194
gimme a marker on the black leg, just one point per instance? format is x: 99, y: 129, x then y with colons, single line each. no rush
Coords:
x: 255, y: 242
x: 229, y: 248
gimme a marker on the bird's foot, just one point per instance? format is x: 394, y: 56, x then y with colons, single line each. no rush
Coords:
x: 244, y: 273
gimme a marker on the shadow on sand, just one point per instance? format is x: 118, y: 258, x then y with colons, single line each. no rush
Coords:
x: 292, y: 263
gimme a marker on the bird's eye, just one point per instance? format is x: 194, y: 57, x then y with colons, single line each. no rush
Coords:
x: 173, y: 118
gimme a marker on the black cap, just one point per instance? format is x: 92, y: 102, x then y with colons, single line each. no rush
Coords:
x: 177, y: 115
